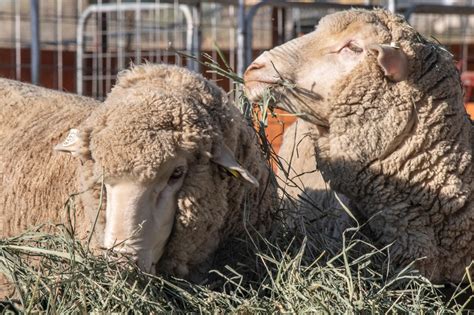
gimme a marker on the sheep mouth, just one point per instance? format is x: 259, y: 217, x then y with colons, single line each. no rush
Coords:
x: 256, y: 89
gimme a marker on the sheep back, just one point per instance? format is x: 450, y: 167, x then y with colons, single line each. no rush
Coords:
x: 36, y: 181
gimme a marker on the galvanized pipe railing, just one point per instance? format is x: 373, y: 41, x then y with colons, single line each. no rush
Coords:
x: 136, y: 7
x: 35, y: 41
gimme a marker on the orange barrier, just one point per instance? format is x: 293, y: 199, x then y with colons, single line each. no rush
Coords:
x: 276, y: 126
x: 470, y: 109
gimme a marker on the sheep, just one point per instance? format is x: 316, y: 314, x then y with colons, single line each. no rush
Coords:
x: 307, y: 196
x: 393, y: 135
x: 36, y: 182
x: 182, y: 170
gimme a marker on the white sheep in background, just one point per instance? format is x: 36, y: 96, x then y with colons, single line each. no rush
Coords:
x: 307, y: 195
x: 393, y: 135
x: 172, y: 151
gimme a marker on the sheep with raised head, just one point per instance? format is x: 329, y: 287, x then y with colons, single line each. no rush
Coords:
x: 393, y: 134
x: 174, y: 156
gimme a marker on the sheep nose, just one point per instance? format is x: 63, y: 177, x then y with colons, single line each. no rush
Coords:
x: 262, y: 70
x: 251, y: 74
x: 255, y: 66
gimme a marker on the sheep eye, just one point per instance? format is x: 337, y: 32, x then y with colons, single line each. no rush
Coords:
x: 177, y: 173
x: 354, y: 48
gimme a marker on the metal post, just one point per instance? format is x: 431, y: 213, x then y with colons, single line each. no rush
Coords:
x: 59, y: 38
x: 241, y: 63
x: 18, y: 40
x: 35, y: 41
x: 392, y: 5
x: 197, y: 38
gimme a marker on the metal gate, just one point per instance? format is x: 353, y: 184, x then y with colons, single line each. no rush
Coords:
x: 109, y: 36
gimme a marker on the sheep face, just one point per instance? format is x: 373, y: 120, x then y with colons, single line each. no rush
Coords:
x: 141, y: 189
x: 302, y: 72
x: 140, y: 215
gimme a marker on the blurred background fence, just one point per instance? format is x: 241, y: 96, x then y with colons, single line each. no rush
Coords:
x: 80, y: 45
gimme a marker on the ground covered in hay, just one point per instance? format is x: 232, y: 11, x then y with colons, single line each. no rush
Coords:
x: 55, y: 273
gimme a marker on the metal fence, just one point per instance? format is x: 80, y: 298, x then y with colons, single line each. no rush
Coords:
x: 109, y: 35
x: 79, y: 46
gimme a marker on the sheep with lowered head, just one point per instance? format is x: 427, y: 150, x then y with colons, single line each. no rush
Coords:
x: 393, y: 134
x: 181, y: 168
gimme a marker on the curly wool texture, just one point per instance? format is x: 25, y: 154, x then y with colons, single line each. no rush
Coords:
x: 156, y: 113
x: 403, y: 151
x: 36, y: 181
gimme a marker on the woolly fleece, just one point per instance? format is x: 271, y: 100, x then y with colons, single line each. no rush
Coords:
x: 156, y: 112
x: 36, y: 181
x: 402, y: 151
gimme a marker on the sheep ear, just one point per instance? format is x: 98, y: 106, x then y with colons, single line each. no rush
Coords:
x: 73, y: 144
x: 224, y: 157
x: 393, y: 61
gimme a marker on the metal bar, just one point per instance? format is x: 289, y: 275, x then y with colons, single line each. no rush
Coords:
x: 35, y: 41
x: 196, y: 40
x: 120, y: 38
x: 18, y: 40
x: 196, y: 2
x: 214, y: 38
x: 232, y: 39
x: 175, y: 31
x: 138, y: 39
x: 102, y: 8
x: 159, y: 37
x: 59, y: 34
x: 108, y: 60
x: 436, y: 9
x: 392, y: 5
x: 96, y: 50
x: 241, y: 32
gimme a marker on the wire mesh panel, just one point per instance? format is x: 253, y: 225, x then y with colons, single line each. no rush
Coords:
x: 218, y: 25
x: 57, y: 25
x: 110, y: 36
x: 84, y: 43
x: 453, y: 28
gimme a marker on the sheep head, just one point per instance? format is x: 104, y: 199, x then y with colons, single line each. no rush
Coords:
x: 360, y: 72
x: 148, y: 144
x: 302, y: 73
